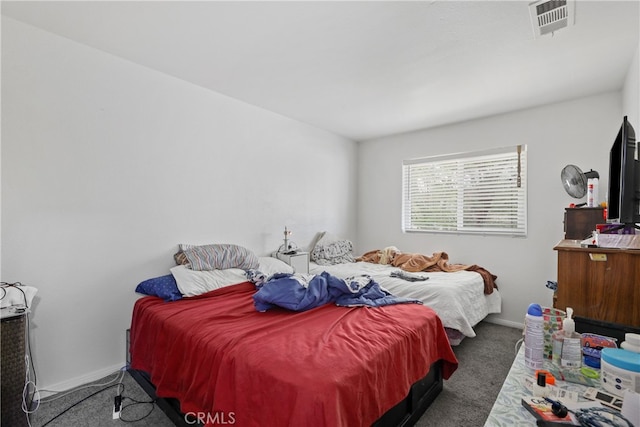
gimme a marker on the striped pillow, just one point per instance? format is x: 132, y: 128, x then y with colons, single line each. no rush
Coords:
x: 219, y: 256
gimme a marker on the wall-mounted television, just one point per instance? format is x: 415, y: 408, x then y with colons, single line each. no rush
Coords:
x: 623, y: 204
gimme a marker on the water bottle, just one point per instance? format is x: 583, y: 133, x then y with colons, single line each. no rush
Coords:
x: 534, y: 337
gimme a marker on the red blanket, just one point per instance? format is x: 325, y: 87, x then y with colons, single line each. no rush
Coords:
x: 330, y: 366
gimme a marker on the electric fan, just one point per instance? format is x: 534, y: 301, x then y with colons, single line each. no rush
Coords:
x: 574, y: 180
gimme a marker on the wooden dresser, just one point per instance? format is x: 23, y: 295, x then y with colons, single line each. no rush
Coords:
x: 599, y: 283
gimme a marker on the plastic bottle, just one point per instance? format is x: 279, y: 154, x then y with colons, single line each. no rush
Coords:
x: 534, y: 337
x: 571, y: 343
x: 592, y: 192
x: 568, y: 324
x: 540, y: 387
x: 631, y: 342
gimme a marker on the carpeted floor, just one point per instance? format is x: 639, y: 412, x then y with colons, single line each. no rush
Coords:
x: 484, y: 362
x: 96, y: 410
x: 466, y: 400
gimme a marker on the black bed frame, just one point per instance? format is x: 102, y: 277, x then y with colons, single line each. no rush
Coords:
x: 404, y: 414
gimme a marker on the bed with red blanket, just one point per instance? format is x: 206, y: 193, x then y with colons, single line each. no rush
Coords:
x: 329, y: 366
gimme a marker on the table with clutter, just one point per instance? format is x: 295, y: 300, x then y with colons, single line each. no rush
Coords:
x: 570, y: 385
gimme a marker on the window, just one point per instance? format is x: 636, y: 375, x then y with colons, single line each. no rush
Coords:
x: 480, y: 192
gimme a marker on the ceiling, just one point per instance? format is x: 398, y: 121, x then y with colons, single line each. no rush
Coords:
x: 360, y: 69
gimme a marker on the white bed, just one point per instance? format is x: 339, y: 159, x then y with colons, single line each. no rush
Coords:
x: 458, y: 297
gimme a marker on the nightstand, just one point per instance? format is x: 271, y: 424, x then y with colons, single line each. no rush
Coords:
x: 299, y: 261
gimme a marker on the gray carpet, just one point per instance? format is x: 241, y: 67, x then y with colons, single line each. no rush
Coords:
x: 466, y: 400
x: 483, y: 364
x: 96, y: 411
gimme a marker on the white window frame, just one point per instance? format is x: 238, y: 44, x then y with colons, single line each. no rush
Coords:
x: 481, y: 192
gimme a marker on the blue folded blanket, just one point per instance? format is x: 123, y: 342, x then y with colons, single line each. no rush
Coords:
x: 304, y: 292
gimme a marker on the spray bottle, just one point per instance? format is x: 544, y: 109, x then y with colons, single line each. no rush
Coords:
x: 534, y: 337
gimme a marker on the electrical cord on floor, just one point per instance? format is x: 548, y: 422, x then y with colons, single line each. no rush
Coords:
x: 29, y: 362
x: 109, y: 385
x: 517, y: 346
x: 30, y: 390
x: 136, y: 402
x: 59, y: 394
x: 31, y: 393
x: 79, y: 402
x: 35, y: 394
x: 118, y: 402
x: 27, y: 395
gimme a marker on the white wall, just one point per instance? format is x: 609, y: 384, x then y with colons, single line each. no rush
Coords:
x: 107, y: 166
x: 579, y: 132
x: 631, y: 93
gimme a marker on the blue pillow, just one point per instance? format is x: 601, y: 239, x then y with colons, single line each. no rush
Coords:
x: 164, y: 287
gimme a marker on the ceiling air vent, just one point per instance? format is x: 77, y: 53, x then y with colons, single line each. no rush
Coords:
x: 548, y: 16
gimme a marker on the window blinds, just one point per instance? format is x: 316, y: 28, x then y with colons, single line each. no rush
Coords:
x: 481, y: 192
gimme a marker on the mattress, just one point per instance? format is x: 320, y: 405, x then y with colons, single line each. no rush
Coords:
x: 338, y: 366
x: 458, y: 297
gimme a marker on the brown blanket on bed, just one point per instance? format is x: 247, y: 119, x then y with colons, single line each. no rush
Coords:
x: 439, y: 261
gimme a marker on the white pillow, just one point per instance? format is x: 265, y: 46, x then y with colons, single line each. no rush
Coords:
x: 331, y: 249
x: 270, y: 266
x: 192, y: 283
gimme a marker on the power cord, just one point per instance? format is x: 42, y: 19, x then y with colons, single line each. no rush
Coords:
x: 31, y: 393
x: 601, y: 417
x: 15, y: 285
x: 518, y: 344
x: 118, y: 400
x: 78, y: 403
x: 591, y: 417
x: 27, y: 395
x: 59, y: 394
x: 136, y: 402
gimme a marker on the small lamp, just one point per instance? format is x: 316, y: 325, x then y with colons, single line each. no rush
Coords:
x: 289, y: 247
x: 287, y: 233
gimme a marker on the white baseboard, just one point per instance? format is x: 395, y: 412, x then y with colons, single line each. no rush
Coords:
x: 503, y: 322
x: 72, y: 383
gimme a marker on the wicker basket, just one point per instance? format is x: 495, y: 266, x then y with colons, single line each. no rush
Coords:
x: 13, y: 371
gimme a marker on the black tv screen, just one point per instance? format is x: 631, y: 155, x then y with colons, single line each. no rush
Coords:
x: 623, y: 202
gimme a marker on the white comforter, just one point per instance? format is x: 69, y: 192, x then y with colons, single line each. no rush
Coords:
x: 458, y: 297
